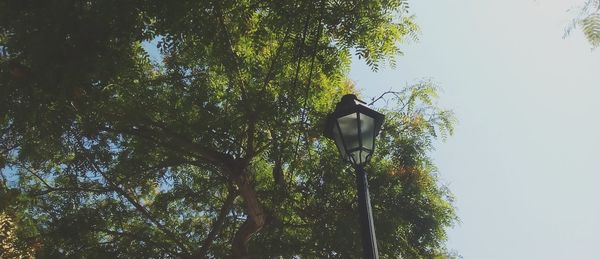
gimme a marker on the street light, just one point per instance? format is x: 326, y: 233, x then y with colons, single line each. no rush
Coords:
x: 354, y: 127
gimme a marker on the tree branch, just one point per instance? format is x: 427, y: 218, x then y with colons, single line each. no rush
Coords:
x: 216, y: 227
x: 255, y: 219
x: 145, y: 239
x: 176, y: 143
x: 230, y: 51
x: 66, y: 189
x: 270, y: 71
x: 141, y: 209
x: 250, y: 149
x: 182, y: 142
x: 36, y: 176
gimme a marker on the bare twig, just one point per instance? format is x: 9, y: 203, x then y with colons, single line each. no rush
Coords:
x: 382, y: 96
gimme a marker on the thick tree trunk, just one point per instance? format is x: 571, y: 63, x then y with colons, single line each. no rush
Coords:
x: 256, y: 217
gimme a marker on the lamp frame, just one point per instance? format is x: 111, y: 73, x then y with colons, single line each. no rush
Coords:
x: 347, y: 106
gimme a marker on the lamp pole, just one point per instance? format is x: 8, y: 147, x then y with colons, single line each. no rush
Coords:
x: 367, y: 229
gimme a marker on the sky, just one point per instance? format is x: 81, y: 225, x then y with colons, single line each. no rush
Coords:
x: 523, y: 161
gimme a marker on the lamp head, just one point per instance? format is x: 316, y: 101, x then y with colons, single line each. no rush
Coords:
x: 354, y: 127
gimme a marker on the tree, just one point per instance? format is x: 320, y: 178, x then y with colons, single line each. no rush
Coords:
x: 215, y: 150
x: 15, y: 242
x: 589, y: 21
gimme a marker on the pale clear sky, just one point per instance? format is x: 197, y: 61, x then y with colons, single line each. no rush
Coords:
x: 523, y: 163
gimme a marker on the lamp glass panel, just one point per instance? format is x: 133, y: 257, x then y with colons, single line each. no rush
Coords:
x: 365, y: 154
x: 367, y: 130
x: 349, y: 127
x: 338, y: 141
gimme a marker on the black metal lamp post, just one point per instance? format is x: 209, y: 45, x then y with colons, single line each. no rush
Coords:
x: 354, y: 127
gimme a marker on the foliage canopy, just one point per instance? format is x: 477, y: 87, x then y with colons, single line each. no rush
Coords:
x: 214, y: 150
x: 589, y: 21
